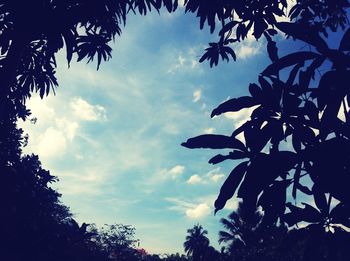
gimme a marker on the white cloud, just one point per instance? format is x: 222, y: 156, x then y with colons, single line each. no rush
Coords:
x: 200, y: 211
x: 197, y: 95
x: 217, y: 177
x: 194, y: 179
x: 69, y: 128
x: 85, y: 111
x: 176, y: 171
x: 40, y: 109
x: 57, y: 125
x: 51, y: 143
x: 208, y: 178
x: 191, y: 210
x: 248, y: 49
x: 71, y: 182
x: 187, y: 62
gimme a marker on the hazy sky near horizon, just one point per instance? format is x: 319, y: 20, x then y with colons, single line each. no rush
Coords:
x: 113, y: 136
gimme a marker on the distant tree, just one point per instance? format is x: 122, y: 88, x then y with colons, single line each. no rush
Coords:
x: 196, y: 242
x: 175, y: 257
x: 294, y: 140
x: 117, y: 241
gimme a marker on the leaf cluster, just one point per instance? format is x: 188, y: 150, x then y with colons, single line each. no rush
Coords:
x: 295, y: 107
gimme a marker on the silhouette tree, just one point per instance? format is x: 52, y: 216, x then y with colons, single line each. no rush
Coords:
x: 175, y: 257
x: 32, y: 32
x: 294, y: 137
x: 241, y: 228
x: 196, y: 242
x: 117, y: 241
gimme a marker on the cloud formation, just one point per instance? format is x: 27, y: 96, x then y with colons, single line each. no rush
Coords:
x: 213, y: 176
x: 191, y: 210
x: 85, y: 111
x: 194, y: 179
x: 175, y: 171
x: 200, y: 211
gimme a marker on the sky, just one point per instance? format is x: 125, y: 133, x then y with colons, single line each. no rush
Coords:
x: 113, y: 136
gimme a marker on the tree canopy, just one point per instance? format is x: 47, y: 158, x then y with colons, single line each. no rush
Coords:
x: 295, y: 131
x: 295, y: 142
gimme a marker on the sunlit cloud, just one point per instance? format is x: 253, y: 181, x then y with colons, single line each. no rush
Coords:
x: 194, y: 179
x: 85, y: 111
x: 190, y: 210
x: 198, y: 212
x: 211, y: 177
x: 175, y: 171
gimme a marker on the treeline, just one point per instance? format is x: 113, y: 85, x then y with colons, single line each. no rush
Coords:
x: 35, y: 225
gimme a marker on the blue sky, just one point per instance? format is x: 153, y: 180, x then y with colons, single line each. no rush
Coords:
x: 113, y: 136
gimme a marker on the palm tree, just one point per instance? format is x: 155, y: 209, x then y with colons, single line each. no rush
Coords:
x: 240, y: 226
x: 196, y: 242
x: 240, y: 231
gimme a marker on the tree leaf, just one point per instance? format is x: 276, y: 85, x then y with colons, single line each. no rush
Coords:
x: 320, y: 200
x: 256, y: 138
x: 340, y: 214
x: 230, y: 185
x: 272, y: 50
x: 236, y: 154
x: 233, y: 105
x: 308, y: 35
x: 227, y: 27
x: 296, y: 180
x: 255, y: 90
x: 345, y: 41
x: 214, y: 141
x: 288, y: 60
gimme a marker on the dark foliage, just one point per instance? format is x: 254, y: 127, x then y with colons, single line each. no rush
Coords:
x: 294, y: 130
x: 32, y: 32
x: 294, y: 104
x: 196, y: 242
x: 35, y: 225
